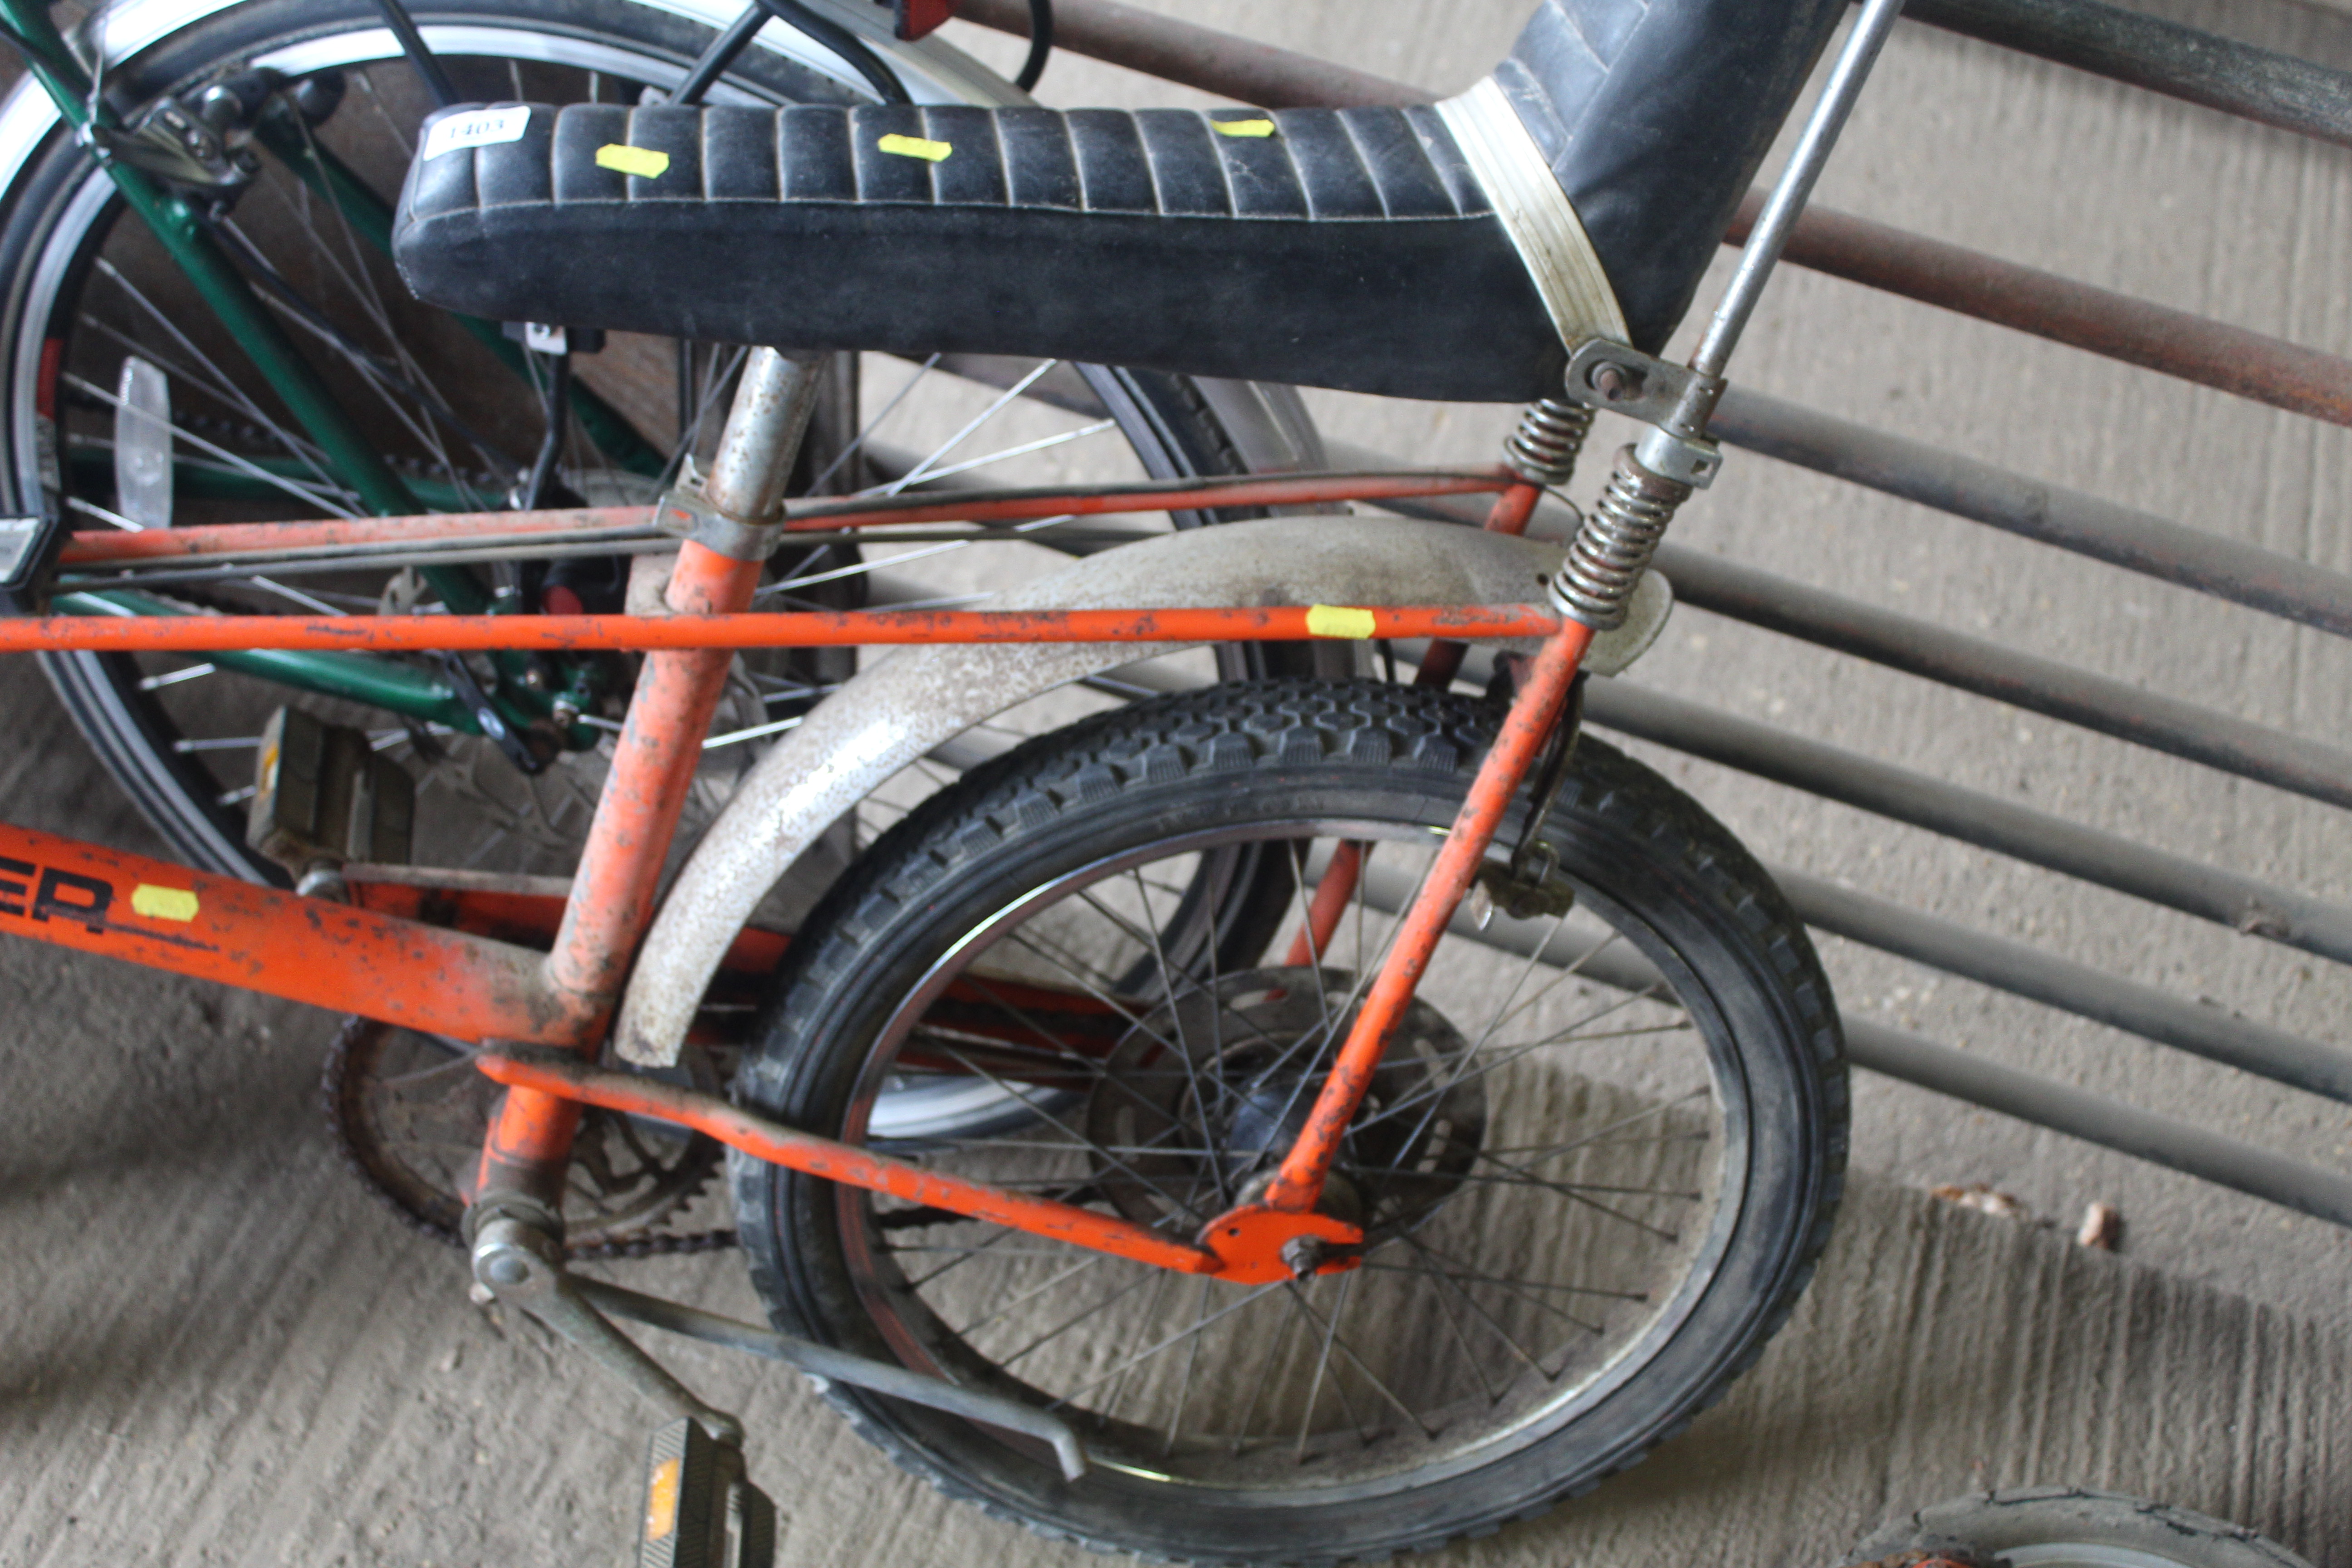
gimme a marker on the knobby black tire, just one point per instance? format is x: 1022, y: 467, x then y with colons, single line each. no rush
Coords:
x: 1697, y: 905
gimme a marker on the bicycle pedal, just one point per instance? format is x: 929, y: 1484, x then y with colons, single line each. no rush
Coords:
x: 324, y: 795
x: 701, y: 1510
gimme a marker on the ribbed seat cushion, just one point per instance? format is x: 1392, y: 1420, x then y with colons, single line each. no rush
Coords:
x: 1348, y: 248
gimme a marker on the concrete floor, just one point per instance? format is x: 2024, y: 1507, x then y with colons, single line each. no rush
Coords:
x: 214, y: 1349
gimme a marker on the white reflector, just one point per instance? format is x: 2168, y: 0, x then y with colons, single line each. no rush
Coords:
x: 142, y: 444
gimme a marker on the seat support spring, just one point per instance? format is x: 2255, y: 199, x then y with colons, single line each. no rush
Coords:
x: 1614, y: 545
x: 1543, y: 448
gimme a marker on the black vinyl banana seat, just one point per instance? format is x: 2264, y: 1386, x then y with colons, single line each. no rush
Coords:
x: 1437, y: 252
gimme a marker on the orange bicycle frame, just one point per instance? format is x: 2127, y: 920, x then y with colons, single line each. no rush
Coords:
x: 377, y: 959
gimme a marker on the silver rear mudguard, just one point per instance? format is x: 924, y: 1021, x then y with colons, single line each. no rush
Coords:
x: 918, y: 699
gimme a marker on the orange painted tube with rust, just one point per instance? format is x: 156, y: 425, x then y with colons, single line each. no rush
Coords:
x: 653, y: 760
x: 330, y: 955
x: 98, y: 548
x: 1298, y: 1182
x: 845, y: 628
x: 805, y: 1152
x: 620, y: 866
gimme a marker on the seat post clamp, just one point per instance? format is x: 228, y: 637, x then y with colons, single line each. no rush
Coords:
x: 687, y: 513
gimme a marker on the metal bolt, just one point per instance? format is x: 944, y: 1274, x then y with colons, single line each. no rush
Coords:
x: 1615, y: 382
x: 564, y: 715
x: 1303, y: 1254
x: 506, y: 1269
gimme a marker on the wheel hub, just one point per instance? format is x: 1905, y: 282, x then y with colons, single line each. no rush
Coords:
x: 1205, y: 1094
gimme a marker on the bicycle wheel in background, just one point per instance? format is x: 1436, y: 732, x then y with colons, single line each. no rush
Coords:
x: 1594, y: 1169
x: 2069, y: 1527
x: 456, y: 409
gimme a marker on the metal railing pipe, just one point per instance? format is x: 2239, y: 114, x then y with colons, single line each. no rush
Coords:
x: 2047, y: 513
x: 2209, y: 892
x: 1963, y: 1075
x: 1747, y: 593
x: 2095, y: 1118
x: 2200, y: 68
x: 1240, y: 68
x: 2099, y: 321
x: 1912, y: 471
x: 2087, y: 993
x: 1988, y: 669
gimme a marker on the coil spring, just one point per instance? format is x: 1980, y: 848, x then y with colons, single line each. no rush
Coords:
x: 1543, y: 449
x: 1614, y: 545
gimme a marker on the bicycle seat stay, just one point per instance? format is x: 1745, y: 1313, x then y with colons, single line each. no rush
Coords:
x: 1447, y: 251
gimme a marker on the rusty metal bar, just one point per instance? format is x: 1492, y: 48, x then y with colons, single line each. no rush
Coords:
x: 2198, y: 67
x: 589, y: 525
x: 2099, y: 321
x: 2223, y: 741
x: 2047, y: 513
x: 1214, y: 61
x: 2095, y: 1118
x: 2242, y: 903
x: 852, y: 628
x: 2029, y: 972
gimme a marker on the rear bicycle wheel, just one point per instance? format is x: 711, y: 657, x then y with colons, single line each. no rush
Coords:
x: 1594, y: 1170
x: 459, y: 419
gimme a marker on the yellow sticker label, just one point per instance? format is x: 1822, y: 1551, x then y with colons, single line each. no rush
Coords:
x: 1338, y: 621
x: 643, y: 162
x: 661, y: 1502
x: 162, y: 903
x: 1244, y: 127
x: 916, y: 147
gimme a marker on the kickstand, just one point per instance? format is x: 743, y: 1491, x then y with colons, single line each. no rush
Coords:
x: 697, y: 1488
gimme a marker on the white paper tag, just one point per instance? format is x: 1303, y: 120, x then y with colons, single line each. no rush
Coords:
x: 476, y: 128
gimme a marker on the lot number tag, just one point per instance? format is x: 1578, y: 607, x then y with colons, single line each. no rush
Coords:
x: 476, y: 128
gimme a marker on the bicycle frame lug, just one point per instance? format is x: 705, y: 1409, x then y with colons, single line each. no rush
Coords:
x: 1258, y: 1244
